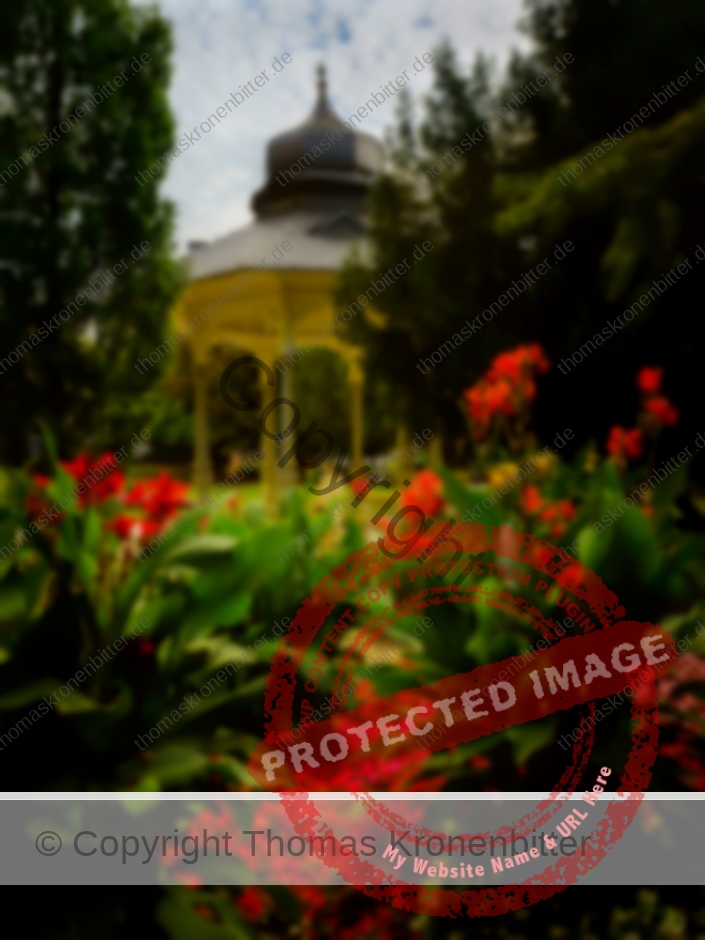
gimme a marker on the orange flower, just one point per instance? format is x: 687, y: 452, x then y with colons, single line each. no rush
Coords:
x: 357, y: 486
x: 624, y: 445
x: 426, y: 492
x: 519, y: 363
x: 559, y: 514
x: 508, y: 386
x: 662, y: 409
x: 648, y: 379
x: 531, y: 500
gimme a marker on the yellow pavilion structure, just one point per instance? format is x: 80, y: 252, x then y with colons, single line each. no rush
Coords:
x: 309, y: 213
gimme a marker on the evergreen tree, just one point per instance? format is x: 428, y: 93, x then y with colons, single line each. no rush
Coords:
x: 433, y: 207
x: 631, y: 212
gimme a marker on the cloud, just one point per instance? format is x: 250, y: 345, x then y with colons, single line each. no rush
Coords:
x: 222, y: 44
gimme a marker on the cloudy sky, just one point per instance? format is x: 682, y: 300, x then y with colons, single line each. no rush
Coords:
x: 222, y: 44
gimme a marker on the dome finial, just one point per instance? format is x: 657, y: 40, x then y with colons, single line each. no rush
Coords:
x: 322, y: 83
x: 323, y: 108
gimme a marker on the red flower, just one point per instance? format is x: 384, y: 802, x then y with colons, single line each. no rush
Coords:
x: 311, y: 898
x: 123, y: 525
x: 160, y: 497
x: 100, y: 477
x: 531, y: 500
x: 507, y: 387
x: 518, y: 364
x: 559, y: 514
x: 480, y: 762
x: 426, y: 492
x: 648, y: 379
x: 127, y: 527
x: 624, y: 445
x: 357, y: 486
x: 36, y: 506
x: 662, y: 409
x: 145, y: 647
x: 253, y: 903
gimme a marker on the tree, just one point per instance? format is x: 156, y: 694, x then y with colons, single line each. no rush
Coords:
x: 623, y: 50
x: 631, y: 210
x: 83, y: 109
x: 633, y: 206
x: 438, y: 190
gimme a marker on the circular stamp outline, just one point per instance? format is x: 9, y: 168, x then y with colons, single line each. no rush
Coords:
x: 587, y: 588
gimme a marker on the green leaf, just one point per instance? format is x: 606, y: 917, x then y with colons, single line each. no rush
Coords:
x: 226, y: 612
x: 666, y: 493
x: 178, y: 916
x: 13, y: 602
x: 142, y: 572
x: 465, y: 499
x: 76, y: 703
x: 203, y: 706
x: 639, y: 541
x: 594, y: 548
x: 28, y: 694
x: 532, y: 737
x: 203, y: 545
x: 176, y: 764
x: 92, y: 533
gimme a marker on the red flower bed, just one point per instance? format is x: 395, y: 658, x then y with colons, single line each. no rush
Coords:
x: 98, y: 480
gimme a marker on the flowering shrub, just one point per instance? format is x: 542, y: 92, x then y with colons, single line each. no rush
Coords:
x: 207, y: 598
x: 100, y: 484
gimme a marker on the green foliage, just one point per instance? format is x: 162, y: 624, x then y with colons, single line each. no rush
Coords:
x: 452, y: 280
x: 633, y: 211
x: 196, y: 603
x: 76, y: 208
x: 623, y: 51
x: 321, y: 390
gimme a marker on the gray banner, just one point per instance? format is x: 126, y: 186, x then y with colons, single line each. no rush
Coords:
x: 495, y: 840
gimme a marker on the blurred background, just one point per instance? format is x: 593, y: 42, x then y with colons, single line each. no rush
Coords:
x: 453, y: 236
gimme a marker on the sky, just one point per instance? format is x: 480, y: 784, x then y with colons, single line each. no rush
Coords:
x: 222, y: 44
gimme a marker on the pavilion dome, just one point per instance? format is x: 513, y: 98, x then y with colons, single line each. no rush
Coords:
x: 311, y: 168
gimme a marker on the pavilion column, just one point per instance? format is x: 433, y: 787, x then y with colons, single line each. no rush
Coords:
x: 356, y: 379
x: 202, y: 469
x: 404, y: 467
x: 269, y: 463
x: 435, y: 448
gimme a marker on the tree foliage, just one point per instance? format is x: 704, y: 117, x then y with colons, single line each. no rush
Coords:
x: 74, y: 207
x: 632, y: 210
